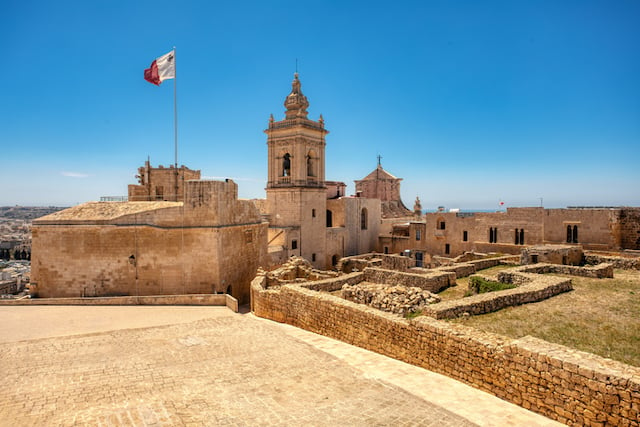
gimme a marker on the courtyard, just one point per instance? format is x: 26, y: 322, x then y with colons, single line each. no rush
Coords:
x: 196, y: 366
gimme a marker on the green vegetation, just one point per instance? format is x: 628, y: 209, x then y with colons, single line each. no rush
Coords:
x: 600, y: 316
x: 479, y: 285
x: 413, y: 314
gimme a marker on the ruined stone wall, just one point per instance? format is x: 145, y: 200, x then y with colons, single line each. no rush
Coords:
x: 625, y: 263
x: 532, y: 288
x: 432, y: 282
x: 599, y: 271
x: 396, y: 262
x: 558, y: 382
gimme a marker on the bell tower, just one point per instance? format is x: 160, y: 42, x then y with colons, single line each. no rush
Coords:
x: 296, y: 193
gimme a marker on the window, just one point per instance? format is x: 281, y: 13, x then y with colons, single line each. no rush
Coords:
x: 447, y: 249
x: 493, y: 235
x: 572, y: 234
x: 440, y: 225
x: 386, y: 249
x: 313, y: 257
x: 363, y: 219
x: 519, y: 240
x: 294, y: 244
x: 286, y: 165
x: 465, y: 236
x: 418, y: 235
x: 313, y: 213
x: 334, y: 260
x: 329, y: 218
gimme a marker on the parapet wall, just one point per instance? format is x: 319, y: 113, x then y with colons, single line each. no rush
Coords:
x: 564, y: 384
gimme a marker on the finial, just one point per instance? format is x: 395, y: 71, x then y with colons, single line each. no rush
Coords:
x: 271, y: 119
x: 379, y: 158
x: 321, y: 120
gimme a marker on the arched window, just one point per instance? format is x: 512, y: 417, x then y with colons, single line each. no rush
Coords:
x: 569, y: 234
x: 329, y: 218
x: 575, y: 234
x: 311, y: 163
x: 517, y: 240
x: 522, y: 236
x: 363, y: 219
x: 286, y: 165
x: 493, y: 235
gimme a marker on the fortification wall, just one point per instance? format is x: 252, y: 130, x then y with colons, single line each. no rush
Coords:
x: 630, y: 228
x: 564, y: 384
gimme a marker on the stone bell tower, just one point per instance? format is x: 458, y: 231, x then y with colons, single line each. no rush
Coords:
x: 296, y: 193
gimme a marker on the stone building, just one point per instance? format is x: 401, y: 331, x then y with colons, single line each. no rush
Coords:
x: 211, y: 242
x: 157, y: 184
x: 309, y: 216
x: 453, y: 233
x: 380, y: 184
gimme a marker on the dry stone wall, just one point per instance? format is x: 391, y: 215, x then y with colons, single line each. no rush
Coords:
x: 532, y: 289
x: 566, y: 385
x: 599, y: 271
x: 393, y: 299
x: 625, y: 263
x: 432, y: 282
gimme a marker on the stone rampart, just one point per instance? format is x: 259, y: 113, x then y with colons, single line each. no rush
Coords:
x: 432, y: 282
x: 564, y: 384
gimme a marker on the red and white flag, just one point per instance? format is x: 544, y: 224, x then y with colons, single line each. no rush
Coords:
x: 161, y: 69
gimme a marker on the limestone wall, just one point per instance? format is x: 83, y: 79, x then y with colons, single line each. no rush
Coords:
x: 564, y: 384
x: 532, y: 289
x: 625, y: 263
x: 630, y: 228
x: 433, y: 282
x: 599, y: 271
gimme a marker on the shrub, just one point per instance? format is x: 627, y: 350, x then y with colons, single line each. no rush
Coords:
x: 479, y: 285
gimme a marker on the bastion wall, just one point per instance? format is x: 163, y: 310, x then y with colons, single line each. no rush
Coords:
x: 563, y: 384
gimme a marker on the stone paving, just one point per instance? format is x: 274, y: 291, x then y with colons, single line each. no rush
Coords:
x: 209, y: 366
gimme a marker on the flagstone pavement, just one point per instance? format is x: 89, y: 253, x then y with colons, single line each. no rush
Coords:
x: 194, y: 366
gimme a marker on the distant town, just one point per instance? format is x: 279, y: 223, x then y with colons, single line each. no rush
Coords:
x: 15, y: 247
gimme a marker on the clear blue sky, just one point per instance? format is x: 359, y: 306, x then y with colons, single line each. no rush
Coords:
x: 470, y: 102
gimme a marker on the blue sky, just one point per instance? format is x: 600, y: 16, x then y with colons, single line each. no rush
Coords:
x: 470, y: 102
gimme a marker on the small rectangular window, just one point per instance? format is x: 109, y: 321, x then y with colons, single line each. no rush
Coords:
x: 313, y: 257
x: 294, y: 244
x: 386, y: 249
x: 465, y: 236
x: 418, y: 235
x: 313, y: 213
x: 441, y: 225
x: 447, y: 249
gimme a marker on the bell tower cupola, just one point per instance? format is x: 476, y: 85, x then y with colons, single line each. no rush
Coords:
x: 296, y: 103
x: 296, y: 144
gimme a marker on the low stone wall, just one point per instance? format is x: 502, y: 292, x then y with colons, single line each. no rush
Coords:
x: 624, y: 263
x: 433, y: 282
x: 564, y: 384
x: 599, y: 271
x: 538, y: 288
x: 397, y: 262
x: 195, y: 299
x: 330, y: 285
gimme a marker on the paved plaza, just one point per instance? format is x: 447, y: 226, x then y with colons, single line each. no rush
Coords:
x: 192, y: 366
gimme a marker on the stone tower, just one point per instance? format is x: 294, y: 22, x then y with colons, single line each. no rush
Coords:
x: 296, y: 193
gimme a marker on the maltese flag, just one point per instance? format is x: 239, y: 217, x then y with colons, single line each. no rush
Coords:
x: 161, y: 69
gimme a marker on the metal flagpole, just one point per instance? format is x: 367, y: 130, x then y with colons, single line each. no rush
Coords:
x: 175, y: 119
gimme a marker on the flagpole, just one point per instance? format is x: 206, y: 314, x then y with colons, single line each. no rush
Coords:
x: 175, y: 119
